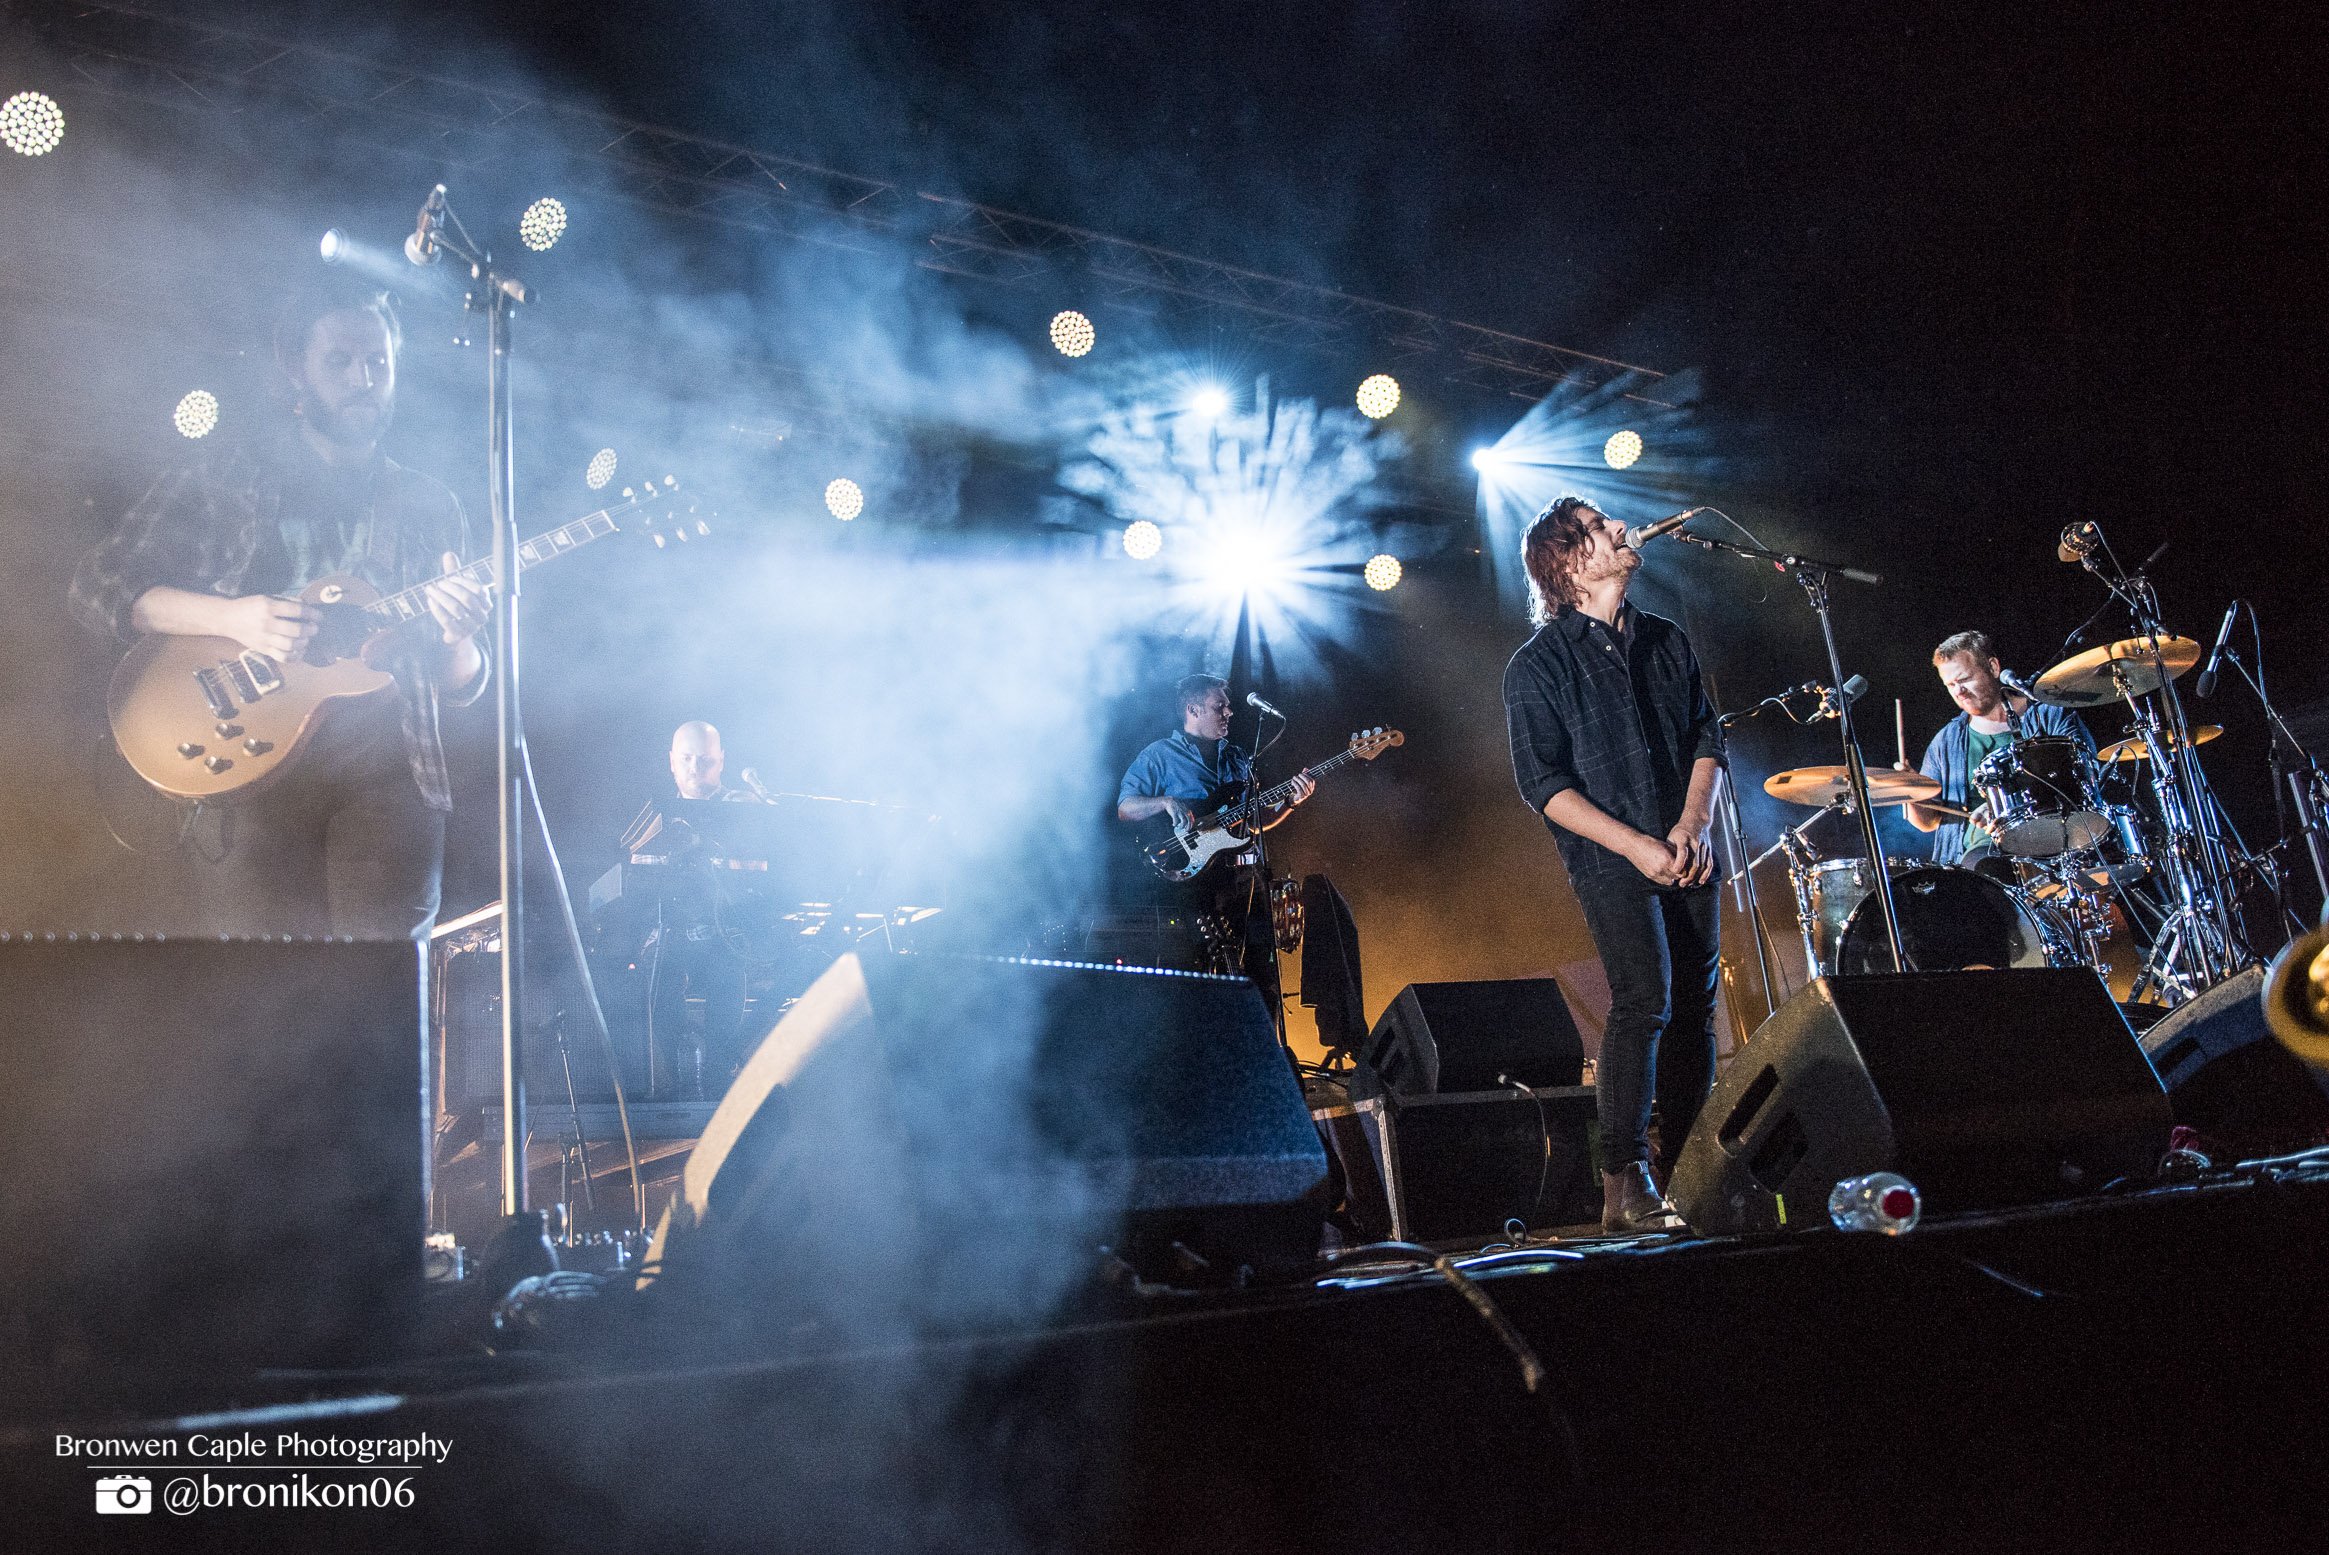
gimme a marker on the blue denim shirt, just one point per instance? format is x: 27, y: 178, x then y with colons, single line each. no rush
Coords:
x: 1183, y: 767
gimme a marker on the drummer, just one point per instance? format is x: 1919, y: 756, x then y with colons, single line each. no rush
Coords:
x: 1968, y: 665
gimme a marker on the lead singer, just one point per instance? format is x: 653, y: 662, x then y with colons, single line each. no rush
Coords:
x: 1615, y: 743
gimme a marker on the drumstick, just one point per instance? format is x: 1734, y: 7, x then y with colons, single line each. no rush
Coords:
x: 1900, y: 733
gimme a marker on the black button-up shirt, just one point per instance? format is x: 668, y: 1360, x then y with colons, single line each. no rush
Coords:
x: 1622, y: 716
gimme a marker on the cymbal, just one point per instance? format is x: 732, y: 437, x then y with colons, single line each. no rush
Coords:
x: 2123, y: 668
x: 2135, y: 748
x: 1825, y: 785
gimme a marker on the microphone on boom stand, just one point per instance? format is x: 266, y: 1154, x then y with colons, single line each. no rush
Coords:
x: 421, y: 248
x: 1641, y: 534
x: 2206, y: 684
x: 1254, y: 701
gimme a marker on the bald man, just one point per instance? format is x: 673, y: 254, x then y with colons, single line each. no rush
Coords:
x: 697, y: 762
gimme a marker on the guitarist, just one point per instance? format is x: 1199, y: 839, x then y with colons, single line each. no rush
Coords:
x: 1184, y: 771
x: 351, y: 840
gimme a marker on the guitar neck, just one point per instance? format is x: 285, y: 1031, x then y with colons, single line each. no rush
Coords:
x: 1317, y: 769
x: 412, y: 603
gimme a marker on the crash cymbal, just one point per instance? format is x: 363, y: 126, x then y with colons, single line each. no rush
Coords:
x: 1825, y: 785
x: 2135, y: 748
x: 2123, y: 668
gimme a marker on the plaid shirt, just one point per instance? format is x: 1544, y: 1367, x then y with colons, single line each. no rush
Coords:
x: 1621, y: 716
x: 199, y: 528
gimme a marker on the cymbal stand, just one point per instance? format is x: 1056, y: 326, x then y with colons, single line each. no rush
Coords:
x: 1795, y: 842
x: 1815, y: 577
x: 2200, y: 943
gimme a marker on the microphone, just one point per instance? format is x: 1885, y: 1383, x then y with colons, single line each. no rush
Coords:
x: 1254, y: 701
x: 2077, y: 543
x: 751, y: 779
x: 2206, y: 684
x: 2014, y: 683
x: 1854, y: 689
x: 1640, y: 534
x: 421, y: 247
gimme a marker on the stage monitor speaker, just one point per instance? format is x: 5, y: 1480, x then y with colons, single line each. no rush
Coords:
x: 1460, y: 1165
x: 2229, y: 1081
x: 1439, y: 1037
x: 1984, y: 1088
x: 976, y: 1130
x: 215, y: 1150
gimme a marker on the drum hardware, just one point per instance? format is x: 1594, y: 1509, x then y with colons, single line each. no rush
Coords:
x: 2200, y: 943
x: 2039, y: 791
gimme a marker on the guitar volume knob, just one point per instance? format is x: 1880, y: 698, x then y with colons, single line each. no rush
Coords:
x: 217, y: 763
x: 188, y: 749
x: 228, y: 731
x: 257, y: 747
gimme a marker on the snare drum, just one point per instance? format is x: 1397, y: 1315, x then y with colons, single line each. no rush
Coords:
x: 1950, y: 920
x: 2041, y: 795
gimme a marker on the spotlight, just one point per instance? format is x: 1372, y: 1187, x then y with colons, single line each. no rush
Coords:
x: 1379, y: 396
x: 1488, y: 459
x: 31, y: 124
x: 196, y: 414
x: 600, y: 470
x: 844, y: 499
x: 542, y: 224
x: 1209, y: 401
x: 1142, y: 540
x: 1383, y: 572
x: 334, y: 246
x: 1622, y: 449
x: 1072, y: 333
x: 1244, y: 563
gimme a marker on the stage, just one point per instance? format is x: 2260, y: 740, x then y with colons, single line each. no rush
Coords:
x: 2141, y: 1371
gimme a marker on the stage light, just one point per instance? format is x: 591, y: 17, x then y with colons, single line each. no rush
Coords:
x: 334, y: 246
x: 1072, y: 333
x: 1488, y: 459
x: 542, y: 224
x: 1379, y: 396
x: 1383, y: 572
x: 31, y: 124
x: 1142, y: 540
x: 1622, y: 449
x: 196, y: 414
x: 844, y: 499
x: 600, y: 470
x: 1209, y: 400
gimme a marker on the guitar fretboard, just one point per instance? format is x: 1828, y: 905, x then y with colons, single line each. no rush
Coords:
x: 1269, y: 797
x: 411, y: 604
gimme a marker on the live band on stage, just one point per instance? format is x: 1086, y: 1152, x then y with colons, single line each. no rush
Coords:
x: 299, y: 611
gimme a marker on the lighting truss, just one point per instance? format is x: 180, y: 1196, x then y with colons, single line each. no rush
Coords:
x: 200, y: 68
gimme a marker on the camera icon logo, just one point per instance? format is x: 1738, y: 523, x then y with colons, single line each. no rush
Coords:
x: 121, y: 1493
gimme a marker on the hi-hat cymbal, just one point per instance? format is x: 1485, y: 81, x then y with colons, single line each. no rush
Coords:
x: 2135, y: 748
x: 2115, y: 670
x: 1825, y: 785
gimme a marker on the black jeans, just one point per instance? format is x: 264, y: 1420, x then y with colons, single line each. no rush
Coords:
x: 343, y: 844
x: 1659, y: 949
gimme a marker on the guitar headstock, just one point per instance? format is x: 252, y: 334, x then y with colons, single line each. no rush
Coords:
x: 670, y: 518
x: 1367, y: 744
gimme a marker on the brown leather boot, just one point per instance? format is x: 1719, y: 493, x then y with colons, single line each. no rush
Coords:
x: 1630, y: 1203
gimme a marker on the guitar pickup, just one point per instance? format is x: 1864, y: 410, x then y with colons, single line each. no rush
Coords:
x: 238, y: 675
x: 213, y: 685
x: 263, y: 672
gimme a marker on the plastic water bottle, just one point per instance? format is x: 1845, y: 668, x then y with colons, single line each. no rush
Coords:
x: 1880, y: 1201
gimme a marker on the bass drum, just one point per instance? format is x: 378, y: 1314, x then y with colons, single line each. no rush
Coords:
x: 1950, y: 920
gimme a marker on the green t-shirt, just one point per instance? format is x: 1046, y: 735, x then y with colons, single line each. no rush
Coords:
x: 1978, y: 749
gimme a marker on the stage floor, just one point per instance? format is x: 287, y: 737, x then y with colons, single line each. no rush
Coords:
x: 2137, y: 1372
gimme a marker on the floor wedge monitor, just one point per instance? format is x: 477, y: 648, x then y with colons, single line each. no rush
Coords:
x: 1984, y: 1088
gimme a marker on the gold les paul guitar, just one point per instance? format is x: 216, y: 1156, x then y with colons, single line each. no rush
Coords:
x: 204, y: 718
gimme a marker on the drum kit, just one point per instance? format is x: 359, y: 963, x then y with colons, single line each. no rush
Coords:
x: 2079, y: 844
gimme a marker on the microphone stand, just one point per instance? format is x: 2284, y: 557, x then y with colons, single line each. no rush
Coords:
x: 498, y: 295
x: 1815, y: 576
x: 2302, y: 782
x: 1260, y: 885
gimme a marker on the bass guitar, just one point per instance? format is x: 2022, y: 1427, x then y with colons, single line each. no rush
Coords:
x: 1226, y: 822
x: 204, y: 718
